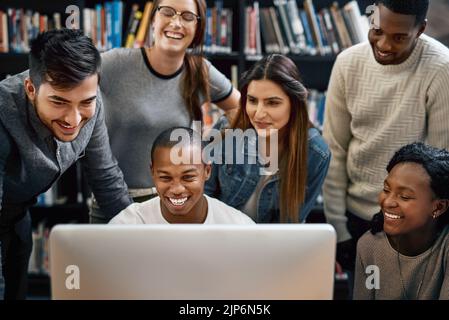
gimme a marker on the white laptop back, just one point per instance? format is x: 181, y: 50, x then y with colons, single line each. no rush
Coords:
x: 264, y: 261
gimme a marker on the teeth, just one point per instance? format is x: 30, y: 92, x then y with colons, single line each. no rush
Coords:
x: 382, y: 54
x: 174, y: 35
x: 392, y: 216
x: 178, y: 202
x: 68, y: 127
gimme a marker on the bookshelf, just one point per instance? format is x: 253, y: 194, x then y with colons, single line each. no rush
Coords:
x: 315, y: 69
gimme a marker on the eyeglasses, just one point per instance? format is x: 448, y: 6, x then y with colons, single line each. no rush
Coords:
x: 187, y: 17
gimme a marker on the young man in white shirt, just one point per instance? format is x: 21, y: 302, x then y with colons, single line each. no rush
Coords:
x: 179, y: 181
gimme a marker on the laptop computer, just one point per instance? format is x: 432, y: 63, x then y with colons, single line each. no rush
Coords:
x: 212, y: 262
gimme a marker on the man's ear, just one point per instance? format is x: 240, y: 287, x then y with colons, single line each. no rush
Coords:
x: 30, y: 89
x: 422, y: 28
x: 207, y: 170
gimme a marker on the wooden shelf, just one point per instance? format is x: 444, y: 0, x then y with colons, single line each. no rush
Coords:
x: 12, y: 63
x: 223, y: 56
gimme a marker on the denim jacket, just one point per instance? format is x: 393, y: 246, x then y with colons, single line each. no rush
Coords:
x: 235, y: 183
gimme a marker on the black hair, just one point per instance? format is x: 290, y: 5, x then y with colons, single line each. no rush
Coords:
x: 436, y: 163
x: 416, y: 8
x: 165, y: 139
x: 63, y: 58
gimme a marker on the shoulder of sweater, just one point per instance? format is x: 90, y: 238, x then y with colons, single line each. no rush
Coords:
x: 12, y: 94
x: 435, y: 55
x: 119, y: 55
x: 369, y: 241
x: 434, y: 47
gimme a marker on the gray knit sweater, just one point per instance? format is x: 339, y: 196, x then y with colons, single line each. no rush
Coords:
x: 430, y: 267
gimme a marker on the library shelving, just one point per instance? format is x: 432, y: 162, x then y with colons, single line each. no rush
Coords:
x: 315, y: 69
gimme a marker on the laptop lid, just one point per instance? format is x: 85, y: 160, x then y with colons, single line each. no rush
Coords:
x: 263, y: 261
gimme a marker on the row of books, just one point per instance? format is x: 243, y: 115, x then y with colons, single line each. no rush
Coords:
x: 284, y: 28
x: 218, y: 35
x: 315, y: 107
x: 19, y: 26
x: 39, y: 261
x: 103, y: 24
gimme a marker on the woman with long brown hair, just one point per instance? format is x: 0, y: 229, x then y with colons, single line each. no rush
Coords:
x: 148, y: 90
x: 274, y: 106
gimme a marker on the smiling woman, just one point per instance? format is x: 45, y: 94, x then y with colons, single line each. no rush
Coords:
x: 273, y: 101
x: 148, y: 90
x: 412, y: 251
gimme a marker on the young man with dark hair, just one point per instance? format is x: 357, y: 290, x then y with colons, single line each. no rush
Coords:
x: 383, y: 94
x: 179, y: 173
x: 51, y: 116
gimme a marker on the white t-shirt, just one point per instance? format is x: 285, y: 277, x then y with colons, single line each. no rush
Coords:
x: 149, y: 212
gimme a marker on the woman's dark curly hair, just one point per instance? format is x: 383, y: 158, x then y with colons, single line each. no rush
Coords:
x: 436, y: 163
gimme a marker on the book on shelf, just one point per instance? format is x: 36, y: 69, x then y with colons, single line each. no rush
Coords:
x: 323, y: 33
x: 144, y: 26
x: 283, y: 47
x: 330, y: 30
x: 258, y: 40
x: 315, y: 31
x: 358, y: 22
x: 315, y: 107
x: 340, y: 25
x: 4, y: 42
x: 235, y: 76
x: 218, y: 33
x: 311, y: 46
x: 296, y: 26
x: 268, y: 33
x: 284, y: 28
x: 103, y: 24
x: 285, y: 25
x: 39, y: 259
x: 250, y: 31
x: 133, y: 23
x: 218, y: 27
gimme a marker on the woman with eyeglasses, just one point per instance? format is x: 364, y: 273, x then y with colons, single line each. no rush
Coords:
x: 148, y: 90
